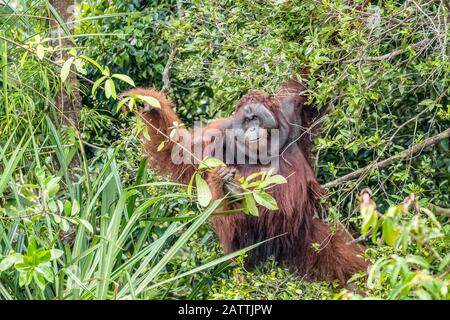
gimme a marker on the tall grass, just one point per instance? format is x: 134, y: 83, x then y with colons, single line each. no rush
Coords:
x: 93, y: 267
x: 69, y: 227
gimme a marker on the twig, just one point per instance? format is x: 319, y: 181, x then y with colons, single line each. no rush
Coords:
x: 390, y: 55
x: 22, y: 216
x: 400, y: 157
x: 439, y: 210
x: 166, y: 72
x: 180, y: 10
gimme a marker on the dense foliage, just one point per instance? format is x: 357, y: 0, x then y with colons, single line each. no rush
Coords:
x: 82, y: 217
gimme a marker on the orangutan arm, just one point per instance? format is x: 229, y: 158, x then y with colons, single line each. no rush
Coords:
x: 222, y: 182
x: 160, y: 146
x: 306, y: 117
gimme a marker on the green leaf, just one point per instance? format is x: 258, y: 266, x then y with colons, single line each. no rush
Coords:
x: 75, y: 208
x: 418, y: 260
x: 52, y: 206
x: 189, y: 187
x: 250, y: 205
x: 65, y: 69
x: 203, y: 193
x: 445, y: 261
x: 55, y: 254
x: 42, y: 256
x: 153, y: 102
x: 124, y: 78
x: 14, y: 158
x: 40, y: 51
x: 394, y: 274
x: 39, y: 281
x: 110, y: 89
x: 32, y: 246
x: 210, y: 163
x: 146, y: 134
x: 65, y: 226
x: 57, y: 218
x: 73, y: 52
x: 265, y: 200
x: 46, y: 272
x: 25, y: 278
x: 9, y: 261
x: 370, y: 219
x: 86, y: 224
x: 423, y: 295
x: 277, y: 179
x: 106, y: 72
x: 60, y: 206
x: 161, y: 146
x: 254, y: 176
x: 122, y: 102
x: 393, y: 211
x: 93, y: 62
x: 67, y: 208
x: 390, y: 231
x: 53, y: 186
x: 97, y: 83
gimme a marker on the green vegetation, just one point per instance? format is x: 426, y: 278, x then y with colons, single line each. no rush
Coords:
x: 82, y: 217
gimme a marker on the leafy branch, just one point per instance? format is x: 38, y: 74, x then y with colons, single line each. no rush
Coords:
x: 403, y: 156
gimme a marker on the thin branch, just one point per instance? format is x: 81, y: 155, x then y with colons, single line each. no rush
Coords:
x: 417, y: 45
x: 166, y: 72
x: 405, y: 155
x: 439, y: 210
x: 180, y: 10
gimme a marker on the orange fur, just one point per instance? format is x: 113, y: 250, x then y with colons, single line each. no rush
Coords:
x: 295, y: 223
x: 160, y: 123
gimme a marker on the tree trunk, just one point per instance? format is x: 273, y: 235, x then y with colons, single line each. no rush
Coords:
x: 68, y: 102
